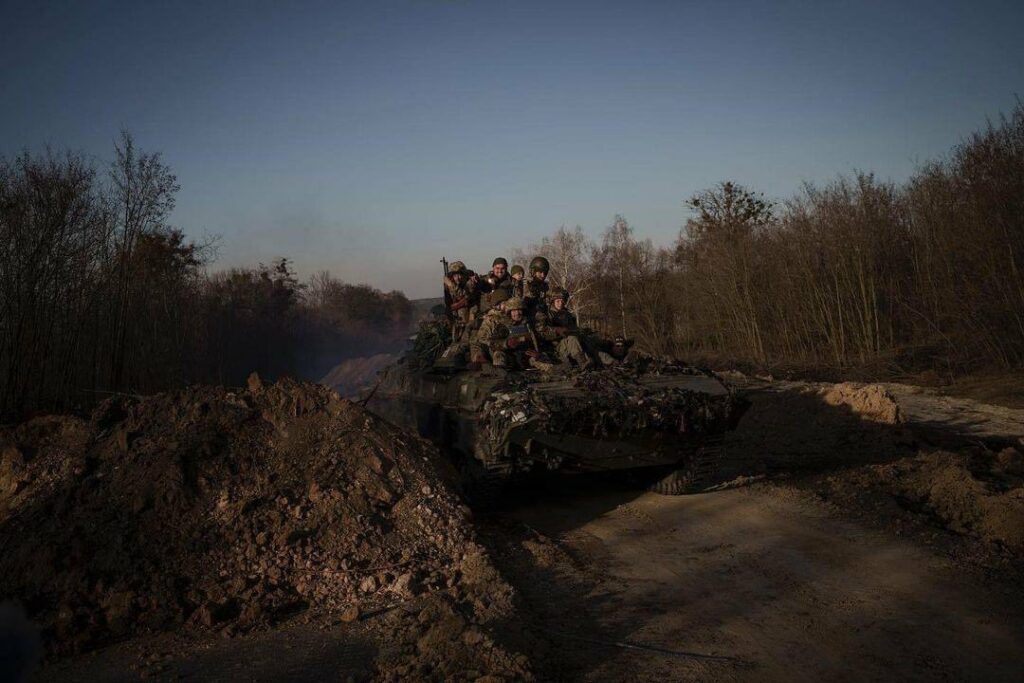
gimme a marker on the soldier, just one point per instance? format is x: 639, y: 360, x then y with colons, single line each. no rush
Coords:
x: 536, y: 288
x: 496, y: 286
x: 507, y: 335
x: 559, y: 327
x: 517, y: 280
x: 461, y: 298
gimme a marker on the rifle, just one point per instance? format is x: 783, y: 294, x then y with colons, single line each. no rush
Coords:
x: 533, y: 337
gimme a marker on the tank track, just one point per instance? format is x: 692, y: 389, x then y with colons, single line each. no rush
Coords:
x: 698, y: 474
x: 708, y: 463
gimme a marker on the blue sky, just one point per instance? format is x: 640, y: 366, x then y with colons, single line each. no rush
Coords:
x: 372, y: 138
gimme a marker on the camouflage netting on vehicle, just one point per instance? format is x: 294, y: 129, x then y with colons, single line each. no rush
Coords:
x: 431, y: 340
x: 617, y: 405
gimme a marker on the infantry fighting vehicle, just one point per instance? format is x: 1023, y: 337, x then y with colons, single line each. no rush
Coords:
x: 668, y: 419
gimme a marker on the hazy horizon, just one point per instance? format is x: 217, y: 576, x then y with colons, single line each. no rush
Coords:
x: 372, y: 139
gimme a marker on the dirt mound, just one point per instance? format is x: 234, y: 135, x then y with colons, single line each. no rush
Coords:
x: 355, y: 374
x: 232, y: 510
x: 970, y: 494
x: 870, y: 401
x: 978, y: 494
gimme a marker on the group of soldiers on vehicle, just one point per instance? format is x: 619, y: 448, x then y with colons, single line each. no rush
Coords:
x: 514, y: 320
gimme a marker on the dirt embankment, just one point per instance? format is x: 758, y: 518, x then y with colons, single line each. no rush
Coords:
x: 230, y: 511
x: 892, y: 449
x: 975, y: 493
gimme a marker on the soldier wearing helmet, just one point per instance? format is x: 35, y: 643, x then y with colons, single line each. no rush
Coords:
x: 558, y: 315
x: 517, y: 274
x: 558, y: 327
x: 507, y: 335
x: 536, y: 287
x: 461, y: 297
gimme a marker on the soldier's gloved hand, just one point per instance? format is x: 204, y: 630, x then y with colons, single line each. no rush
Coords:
x: 533, y: 353
x: 460, y: 303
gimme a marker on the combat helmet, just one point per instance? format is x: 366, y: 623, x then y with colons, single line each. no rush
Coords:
x: 539, y: 263
x: 558, y: 293
x: 517, y: 269
x: 457, y: 267
x: 495, y: 298
x: 516, y: 303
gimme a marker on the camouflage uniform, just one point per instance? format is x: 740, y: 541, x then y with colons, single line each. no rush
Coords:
x: 494, y: 335
x: 535, y: 294
x: 561, y: 330
x: 462, y: 298
x: 517, y: 285
x: 494, y: 291
x: 535, y: 289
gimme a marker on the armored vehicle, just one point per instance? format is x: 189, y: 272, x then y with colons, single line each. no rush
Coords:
x: 668, y: 419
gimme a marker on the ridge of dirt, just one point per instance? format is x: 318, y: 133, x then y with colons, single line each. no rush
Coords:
x: 227, y: 512
x: 968, y: 504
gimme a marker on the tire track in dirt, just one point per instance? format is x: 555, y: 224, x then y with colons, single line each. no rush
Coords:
x: 774, y: 581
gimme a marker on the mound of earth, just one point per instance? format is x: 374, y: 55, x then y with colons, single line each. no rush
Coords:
x: 228, y: 511
x: 870, y: 401
x: 974, y: 493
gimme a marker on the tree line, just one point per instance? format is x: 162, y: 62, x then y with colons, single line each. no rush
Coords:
x: 855, y: 274
x: 100, y: 295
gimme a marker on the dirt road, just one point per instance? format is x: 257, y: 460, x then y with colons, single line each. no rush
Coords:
x: 871, y: 569
x: 775, y: 583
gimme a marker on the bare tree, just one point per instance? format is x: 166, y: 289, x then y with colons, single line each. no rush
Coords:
x: 569, y: 253
x: 143, y: 196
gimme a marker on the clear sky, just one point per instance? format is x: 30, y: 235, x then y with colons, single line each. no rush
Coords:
x: 371, y: 138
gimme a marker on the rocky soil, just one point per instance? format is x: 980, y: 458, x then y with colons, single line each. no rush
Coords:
x: 224, y: 511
